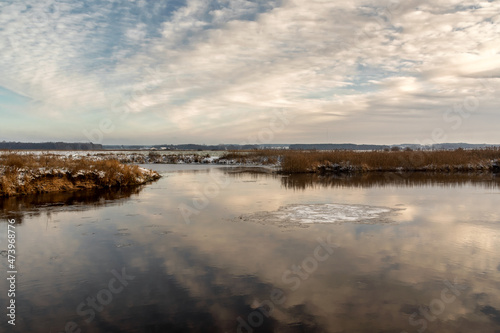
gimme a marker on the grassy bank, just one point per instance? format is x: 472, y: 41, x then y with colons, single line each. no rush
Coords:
x: 29, y: 174
x: 340, y: 161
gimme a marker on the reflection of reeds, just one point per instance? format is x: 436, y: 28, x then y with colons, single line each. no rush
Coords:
x: 30, y: 173
x: 16, y: 207
x: 382, y: 179
x: 340, y: 161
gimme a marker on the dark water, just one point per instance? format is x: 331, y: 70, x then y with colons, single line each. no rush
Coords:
x: 174, y: 256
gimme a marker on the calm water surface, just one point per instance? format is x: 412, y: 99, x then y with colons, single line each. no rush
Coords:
x: 174, y: 256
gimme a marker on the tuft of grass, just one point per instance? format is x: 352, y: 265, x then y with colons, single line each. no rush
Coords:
x: 15, y: 161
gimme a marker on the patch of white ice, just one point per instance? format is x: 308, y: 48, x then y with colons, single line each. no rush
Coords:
x: 330, y: 213
x: 305, y: 214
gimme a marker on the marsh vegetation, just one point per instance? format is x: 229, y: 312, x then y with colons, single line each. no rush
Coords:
x: 41, y: 173
x: 341, y: 161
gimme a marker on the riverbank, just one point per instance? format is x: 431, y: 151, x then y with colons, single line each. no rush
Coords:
x: 298, y: 161
x: 22, y: 174
x: 340, y: 161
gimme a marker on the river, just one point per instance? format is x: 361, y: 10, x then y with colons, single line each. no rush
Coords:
x: 227, y: 249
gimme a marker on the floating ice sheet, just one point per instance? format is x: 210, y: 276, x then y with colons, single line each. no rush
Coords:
x: 305, y: 214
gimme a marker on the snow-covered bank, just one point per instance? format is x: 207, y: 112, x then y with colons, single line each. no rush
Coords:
x: 321, y: 162
x: 30, y: 174
x: 161, y: 157
x: 186, y: 158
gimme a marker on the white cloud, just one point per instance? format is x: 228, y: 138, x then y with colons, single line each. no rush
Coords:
x: 215, y: 65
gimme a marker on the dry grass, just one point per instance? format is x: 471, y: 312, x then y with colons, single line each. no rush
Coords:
x: 447, y: 161
x: 30, y: 173
x: 296, y: 161
x: 258, y: 156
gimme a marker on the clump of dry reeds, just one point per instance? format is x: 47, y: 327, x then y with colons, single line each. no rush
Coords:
x: 31, y: 173
x: 344, y: 160
x: 256, y: 156
x: 302, y: 161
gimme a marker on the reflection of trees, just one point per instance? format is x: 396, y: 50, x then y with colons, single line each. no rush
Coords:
x: 255, y: 173
x: 194, y: 171
x: 33, y: 205
x: 304, y: 181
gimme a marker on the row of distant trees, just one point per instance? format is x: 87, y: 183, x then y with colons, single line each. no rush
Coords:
x: 50, y: 146
x: 327, y: 146
x: 351, y: 146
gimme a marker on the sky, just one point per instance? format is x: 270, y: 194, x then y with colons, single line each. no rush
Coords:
x: 237, y: 71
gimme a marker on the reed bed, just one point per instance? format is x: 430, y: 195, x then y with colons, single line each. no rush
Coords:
x: 258, y: 156
x: 31, y: 173
x: 339, y: 161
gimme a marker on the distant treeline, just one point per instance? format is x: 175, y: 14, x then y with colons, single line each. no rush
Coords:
x: 190, y: 146
x: 206, y: 147
x: 338, y: 146
x: 50, y: 146
x: 315, y: 146
x: 351, y: 146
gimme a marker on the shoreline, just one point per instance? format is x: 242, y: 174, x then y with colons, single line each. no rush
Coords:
x: 324, y: 162
x: 24, y: 173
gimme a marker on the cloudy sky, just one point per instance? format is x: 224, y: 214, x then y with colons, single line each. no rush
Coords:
x: 233, y: 71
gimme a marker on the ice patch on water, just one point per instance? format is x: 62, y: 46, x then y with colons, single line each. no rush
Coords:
x: 329, y: 213
x: 306, y: 214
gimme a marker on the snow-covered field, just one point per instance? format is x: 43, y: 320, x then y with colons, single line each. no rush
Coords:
x: 75, y: 153
x: 148, y: 157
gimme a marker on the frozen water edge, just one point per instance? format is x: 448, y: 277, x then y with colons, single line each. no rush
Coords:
x: 306, y: 214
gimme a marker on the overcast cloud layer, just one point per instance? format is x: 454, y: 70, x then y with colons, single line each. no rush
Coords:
x: 206, y: 71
